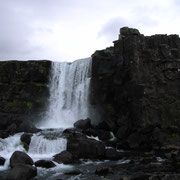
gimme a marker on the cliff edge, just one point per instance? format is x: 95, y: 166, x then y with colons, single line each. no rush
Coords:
x: 136, y: 87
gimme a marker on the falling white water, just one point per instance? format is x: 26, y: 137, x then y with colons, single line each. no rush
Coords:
x: 46, y: 146
x: 69, y: 93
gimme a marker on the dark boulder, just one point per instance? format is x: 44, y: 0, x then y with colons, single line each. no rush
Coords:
x: 104, y: 135
x: 64, y: 157
x: 102, y: 170
x: 26, y: 139
x: 44, y: 164
x: 22, y: 172
x: 2, y: 161
x: 28, y: 127
x: 83, y: 124
x: 19, y: 157
x: 73, y: 134
x: 86, y: 148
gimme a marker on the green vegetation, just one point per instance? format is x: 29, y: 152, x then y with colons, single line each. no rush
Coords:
x: 11, y: 104
x: 29, y: 105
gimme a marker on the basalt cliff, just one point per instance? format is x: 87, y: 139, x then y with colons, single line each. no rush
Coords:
x: 136, y: 88
x: 23, y: 94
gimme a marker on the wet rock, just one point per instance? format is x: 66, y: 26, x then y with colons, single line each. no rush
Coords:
x: 102, y: 170
x: 2, y: 161
x: 73, y: 134
x: 23, y: 172
x: 104, y: 135
x: 112, y: 154
x: 44, y: 164
x: 26, y: 139
x: 19, y: 157
x: 64, y: 157
x: 28, y: 127
x: 83, y: 124
x: 86, y: 148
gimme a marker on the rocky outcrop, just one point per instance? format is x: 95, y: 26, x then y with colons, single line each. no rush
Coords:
x: 23, y: 93
x: 135, y: 85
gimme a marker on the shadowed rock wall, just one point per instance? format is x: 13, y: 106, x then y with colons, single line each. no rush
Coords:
x: 136, y: 86
x: 23, y: 92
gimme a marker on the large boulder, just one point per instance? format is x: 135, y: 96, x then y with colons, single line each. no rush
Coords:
x: 22, y: 172
x: 64, y: 157
x: 44, y: 164
x: 83, y: 124
x: 28, y: 127
x: 19, y: 157
x: 86, y: 148
x: 26, y: 139
x: 2, y: 161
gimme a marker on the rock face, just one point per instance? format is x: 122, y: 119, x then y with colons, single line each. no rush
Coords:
x: 23, y: 93
x: 135, y: 85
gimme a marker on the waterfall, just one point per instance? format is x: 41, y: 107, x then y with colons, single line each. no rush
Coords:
x: 69, y: 93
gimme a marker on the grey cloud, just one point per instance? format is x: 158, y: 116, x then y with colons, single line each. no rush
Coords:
x: 110, y: 30
x: 15, y: 33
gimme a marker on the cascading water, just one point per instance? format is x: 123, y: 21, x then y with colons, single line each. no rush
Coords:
x: 68, y: 102
x: 69, y: 92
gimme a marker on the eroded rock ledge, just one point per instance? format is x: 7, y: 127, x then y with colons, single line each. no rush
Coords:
x: 136, y: 87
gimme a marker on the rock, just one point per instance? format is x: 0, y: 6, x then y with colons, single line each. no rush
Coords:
x: 112, y: 154
x: 125, y: 31
x: 73, y: 133
x: 83, y: 124
x: 122, y: 132
x: 44, y: 164
x: 102, y: 170
x: 86, y: 148
x: 26, y: 139
x: 104, y: 135
x: 136, y: 140
x: 2, y: 161
x: 64, y: 157
x: 19, y: 157
x: 23, y: 172
x: 28, y: 127
x: 90, y: 132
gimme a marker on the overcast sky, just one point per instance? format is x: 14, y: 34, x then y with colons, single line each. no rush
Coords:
x: 66, y: 30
